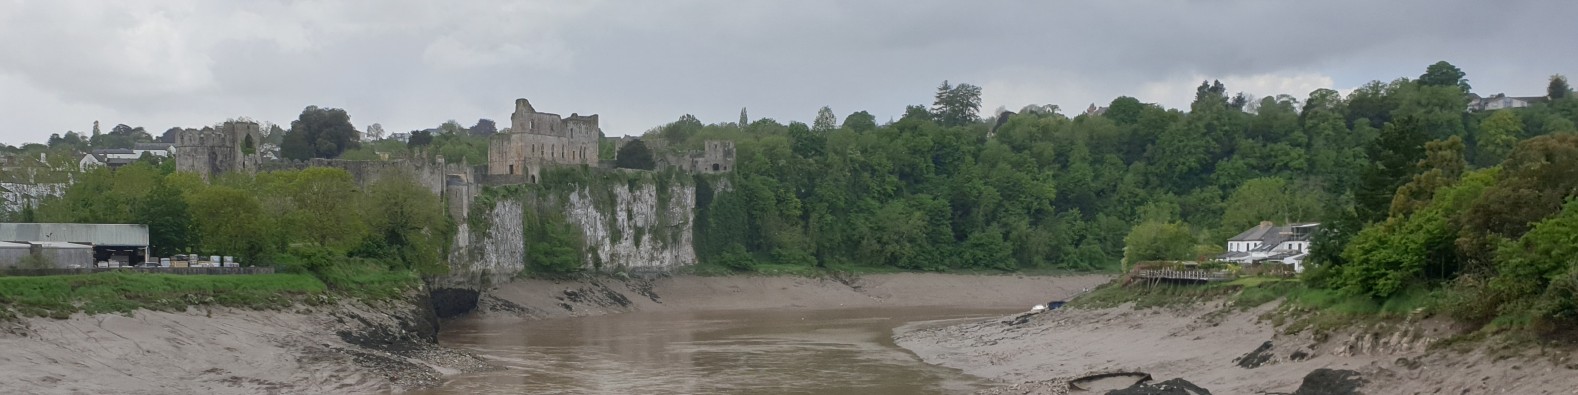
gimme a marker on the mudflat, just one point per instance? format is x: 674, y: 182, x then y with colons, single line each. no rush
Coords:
x: 547, y: 299
x: 1232, y: 351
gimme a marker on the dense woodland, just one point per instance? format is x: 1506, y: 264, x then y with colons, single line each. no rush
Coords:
x: 297, y: 219
x: 1415, y: 193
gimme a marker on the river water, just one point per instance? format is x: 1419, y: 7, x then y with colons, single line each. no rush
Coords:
x: 787, y: 351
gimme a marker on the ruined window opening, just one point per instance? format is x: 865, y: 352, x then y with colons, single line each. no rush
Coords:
x: 512, y: 169
x: 714, y: 167
x: 248, y: 147
x: 532, y: 178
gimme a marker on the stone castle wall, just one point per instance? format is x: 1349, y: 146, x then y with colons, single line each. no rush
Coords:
x: 209, y: 152
x: 539, y: 139
x: 716, y: 156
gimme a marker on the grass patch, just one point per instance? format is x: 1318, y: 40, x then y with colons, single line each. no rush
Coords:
x: 1325, y: 310
x: 123, y: 292
x: 1245, y: 293
x: 61, y: 296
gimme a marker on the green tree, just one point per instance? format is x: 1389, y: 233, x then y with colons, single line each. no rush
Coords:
x: 1537, y: 276
x: 320, y: 133
x: 229, y: 221
x: 419, y: 138
x: 1156, y: 241
x: 1495, y: 137
x: 1558, y: 88
x: 957, y: 105
x: 411, y: 219
x: 1442, y: 166
x: 1445, y: 74
x: 860, y: 121
x: 553, y: 245
x: 1394, y: 158
x: 484, y: 128
x: 328, y: 202
x: 1124, y: 110
x: 170, y: 226
x: 1269, y: 199
x: 1536, y: 179
x: 635, y: 155
x: 825, y: 120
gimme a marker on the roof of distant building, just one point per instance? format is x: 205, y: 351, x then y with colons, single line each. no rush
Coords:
x: 113, y: 151
x: 1270, y: 235
x: 1256, y: 233
x: 153, y: 146
x: 98, y: 234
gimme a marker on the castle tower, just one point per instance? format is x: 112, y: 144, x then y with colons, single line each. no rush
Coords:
x: 209, y: 152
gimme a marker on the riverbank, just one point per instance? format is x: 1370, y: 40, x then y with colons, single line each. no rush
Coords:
x: 304, y: 338
x: 539, y: 299
x: 334, y: 346
x: 1231, y: 350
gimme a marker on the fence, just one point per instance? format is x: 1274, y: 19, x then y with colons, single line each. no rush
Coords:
x: 211, y: 271
x: 1184, y: 275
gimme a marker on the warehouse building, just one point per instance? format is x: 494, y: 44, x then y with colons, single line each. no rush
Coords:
x: 73, y: 245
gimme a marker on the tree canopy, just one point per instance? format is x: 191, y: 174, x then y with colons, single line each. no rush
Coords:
x: 319, y: 133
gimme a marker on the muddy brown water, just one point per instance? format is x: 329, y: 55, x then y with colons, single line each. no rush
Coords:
x: 787, y: 351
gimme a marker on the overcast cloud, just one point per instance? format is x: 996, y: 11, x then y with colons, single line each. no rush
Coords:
x: 411, y: 64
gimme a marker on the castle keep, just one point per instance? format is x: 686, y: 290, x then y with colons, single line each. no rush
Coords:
x: 209, y: 152
x: 716, y: 156
x: 537, y: 139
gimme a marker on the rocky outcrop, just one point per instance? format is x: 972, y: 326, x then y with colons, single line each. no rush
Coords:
x: 629, y: 222
x: 639, y: 232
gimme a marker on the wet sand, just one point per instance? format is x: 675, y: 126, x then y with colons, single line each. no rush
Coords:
x: 792, y: 351
x: 1209, y: 345
x: 223, y: 351
x: 549, y: 299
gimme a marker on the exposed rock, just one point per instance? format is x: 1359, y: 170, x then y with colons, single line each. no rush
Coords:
x: 637, y: 216
x: 1331, y: 382
x: 1257, y: 358
x: 1169, y: 387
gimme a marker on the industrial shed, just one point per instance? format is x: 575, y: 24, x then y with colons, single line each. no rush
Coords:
x: 12, y: 254
x: 80, y: 245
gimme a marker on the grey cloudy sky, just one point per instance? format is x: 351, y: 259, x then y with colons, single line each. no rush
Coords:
x: 411, y: 64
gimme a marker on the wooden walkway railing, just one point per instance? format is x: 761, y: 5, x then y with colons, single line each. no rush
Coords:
x: 1184, y: 275
x: 213, y: 271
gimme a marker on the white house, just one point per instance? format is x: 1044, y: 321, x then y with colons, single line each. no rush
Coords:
x: 117, y: 157
x: 1267, y: 242
x: 157, y: 149
x: 1500, y: 101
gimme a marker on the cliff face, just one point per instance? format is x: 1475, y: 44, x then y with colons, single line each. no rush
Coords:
x: 628, y: 221
x: 639, y: 231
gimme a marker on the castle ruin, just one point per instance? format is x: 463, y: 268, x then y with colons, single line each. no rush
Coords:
x: 538, y: 139
x: 716, y: 156
x: 209, y: 152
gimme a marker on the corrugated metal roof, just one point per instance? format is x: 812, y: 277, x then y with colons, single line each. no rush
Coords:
x: 60, y: 244
x: 97, y: 234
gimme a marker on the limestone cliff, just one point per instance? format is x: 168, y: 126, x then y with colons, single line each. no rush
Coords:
x: 639, y: 231
x: 628, y: 221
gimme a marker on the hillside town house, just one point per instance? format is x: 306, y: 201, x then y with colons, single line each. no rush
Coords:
x: 1268, y: 243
